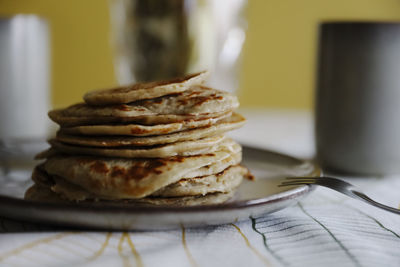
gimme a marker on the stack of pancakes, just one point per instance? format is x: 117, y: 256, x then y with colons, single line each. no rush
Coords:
x: 148, y: 143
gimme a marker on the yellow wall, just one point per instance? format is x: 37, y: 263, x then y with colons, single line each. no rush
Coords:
x: 81, y: 56
x: 280, y: 52
x: 279, y: 56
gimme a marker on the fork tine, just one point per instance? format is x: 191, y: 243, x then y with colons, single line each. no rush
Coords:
x: 294, y: 183
x: 281, y: 185
x: 301, y: 178
x: 305, y: 180
x: 299, y: 182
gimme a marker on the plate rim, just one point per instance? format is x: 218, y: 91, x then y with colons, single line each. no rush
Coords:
x: 112, y: 208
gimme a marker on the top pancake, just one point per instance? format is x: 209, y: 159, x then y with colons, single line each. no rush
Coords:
x: 139, y: 91
x: 193, y: 104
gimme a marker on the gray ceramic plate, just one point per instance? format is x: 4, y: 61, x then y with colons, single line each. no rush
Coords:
x: 253, y: 198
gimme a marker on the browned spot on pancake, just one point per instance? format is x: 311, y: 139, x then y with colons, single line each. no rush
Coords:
x: 145, y: 131
x: 168, y: 130
x: 250, y: 176
x: 194, y: 93
x: 140, y: 170
x: 177, y: 159
x: 183, y: 102
x: 222, y: 173
x: 139, y: 131
x: 123, y: 107
x: 143, y: 169
x: 117, y: 171
x: 199, y: 100
x: 99, y: 167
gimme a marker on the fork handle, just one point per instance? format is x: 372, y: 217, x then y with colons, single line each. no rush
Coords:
x: 365, y: 198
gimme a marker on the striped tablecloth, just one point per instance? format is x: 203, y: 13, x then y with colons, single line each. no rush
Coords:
x: 325, y: 229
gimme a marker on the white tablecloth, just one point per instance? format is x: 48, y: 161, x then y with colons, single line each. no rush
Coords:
x: 326, y: 229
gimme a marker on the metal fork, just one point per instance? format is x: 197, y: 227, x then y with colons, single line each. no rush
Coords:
x: 337, y: 185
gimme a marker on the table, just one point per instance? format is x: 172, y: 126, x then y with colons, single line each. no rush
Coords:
x: 325, y: 229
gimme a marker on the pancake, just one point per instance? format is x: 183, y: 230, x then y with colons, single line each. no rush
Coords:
x: 45, y: 194
x: 233, y: 122
x: 216, y: 167
x: 222, y: 182
x: 185, y: 148
x: 119, y: 178
x: 141, y: 91
x: 42, y: 193
x: 158, y: 143
x: 56, y: 189
x: 142, y: 130
x: 234, y: 159
x: 193, y: 104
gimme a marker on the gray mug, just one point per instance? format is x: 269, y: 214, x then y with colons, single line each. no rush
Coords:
x: 358, y: 97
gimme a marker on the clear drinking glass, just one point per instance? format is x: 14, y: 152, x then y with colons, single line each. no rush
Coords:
x: 162, y: 39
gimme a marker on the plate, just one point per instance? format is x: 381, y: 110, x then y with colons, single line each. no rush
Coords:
x: 253, y: 198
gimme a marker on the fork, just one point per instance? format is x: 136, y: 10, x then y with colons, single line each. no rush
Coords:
x: 337, y: 185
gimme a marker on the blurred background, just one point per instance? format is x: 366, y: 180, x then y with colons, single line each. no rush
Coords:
x: 279, y: 54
